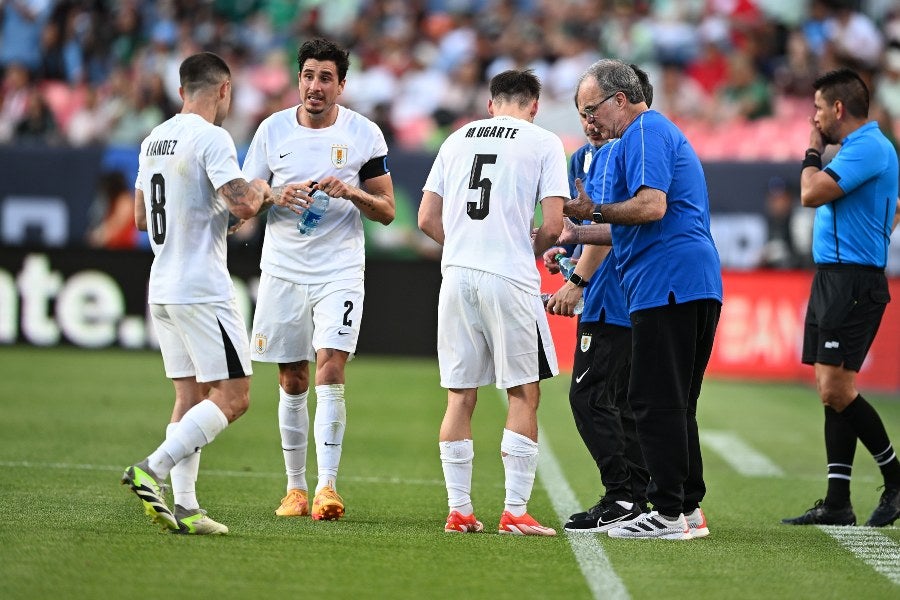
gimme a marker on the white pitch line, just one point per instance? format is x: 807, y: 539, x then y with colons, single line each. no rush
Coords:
x: 215, y: 472
x: 592, y: 559
x: 739, y: 455
x: 871, y: 547
x: 589, y: 553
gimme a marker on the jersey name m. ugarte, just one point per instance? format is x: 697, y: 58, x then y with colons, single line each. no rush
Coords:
x: 283, y: 151
x: 181, y: 165
x: 491, y: 174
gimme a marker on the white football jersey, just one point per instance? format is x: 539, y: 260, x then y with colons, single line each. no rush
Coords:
x: 283, y: 151
x: 491, y: 174
x: 182, y: 163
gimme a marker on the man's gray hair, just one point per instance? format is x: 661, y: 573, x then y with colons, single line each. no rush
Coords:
x: 615, y: 76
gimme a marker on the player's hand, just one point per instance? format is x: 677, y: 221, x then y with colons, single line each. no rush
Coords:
x: 334, y: 187
x: 563, y: 301
x: 236, y: 226
x: 569, y: 233
x: 580, y: 207
x: 549, y: 258
x: 293, y: 196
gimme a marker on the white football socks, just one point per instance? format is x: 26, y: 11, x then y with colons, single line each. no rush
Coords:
x: 293, y: 422
x: 184, y: 476
x: 198, y: 427
x: 456, y: 459
x: 520, y: 458
x: 330, y: 422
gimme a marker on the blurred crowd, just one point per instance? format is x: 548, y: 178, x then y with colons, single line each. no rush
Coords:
x: 736, y: 74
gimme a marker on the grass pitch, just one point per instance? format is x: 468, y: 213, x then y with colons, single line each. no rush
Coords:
x: 72, y: 420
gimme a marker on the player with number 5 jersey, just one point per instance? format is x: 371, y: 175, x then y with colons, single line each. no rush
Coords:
x: 479, y: 202
x: 310, y: 300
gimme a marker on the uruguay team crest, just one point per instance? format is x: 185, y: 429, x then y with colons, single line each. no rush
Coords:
x: 260, y: 343
x: 585, y: 342
x: 339, y: 156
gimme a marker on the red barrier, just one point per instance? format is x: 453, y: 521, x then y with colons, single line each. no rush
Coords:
x: 760, y: 335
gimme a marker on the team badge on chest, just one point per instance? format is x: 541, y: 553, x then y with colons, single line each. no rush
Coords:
x: 339, y: 156
x: 260, y: 343
x: 585, y: 342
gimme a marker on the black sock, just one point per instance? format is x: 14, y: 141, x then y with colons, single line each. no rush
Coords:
x: 840, y: 447
x: 864, y: 419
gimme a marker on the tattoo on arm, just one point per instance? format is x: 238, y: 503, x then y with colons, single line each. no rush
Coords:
x: 235, y: 191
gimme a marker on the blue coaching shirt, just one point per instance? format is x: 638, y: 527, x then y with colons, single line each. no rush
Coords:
x: 856, y: 228
x: 673, y: 259
x: 603, y: 297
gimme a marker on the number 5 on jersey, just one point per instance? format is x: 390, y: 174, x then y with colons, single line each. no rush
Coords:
x: 479, y: 210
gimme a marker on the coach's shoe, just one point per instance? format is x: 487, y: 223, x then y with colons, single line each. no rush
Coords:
x: 143, y: 483
x: 653, y: 525
x: 460, y: 523
x: 193, y: 521
x: 327, y: 505
x: 822, y: 514
x: 696, y: 521
x: 524, y: 525
x: 295, y: 504
x: 888, y: 509
x: 601, y: 517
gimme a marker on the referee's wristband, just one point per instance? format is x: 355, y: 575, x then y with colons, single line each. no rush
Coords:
x: 812, y: 159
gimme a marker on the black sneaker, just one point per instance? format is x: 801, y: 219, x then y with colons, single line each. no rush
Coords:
x: 821, y: 514
x: 603, y: 516
x: 601, y: 504
x: 888, y: 509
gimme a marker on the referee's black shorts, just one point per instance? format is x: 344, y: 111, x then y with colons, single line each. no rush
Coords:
x: 844, y: 311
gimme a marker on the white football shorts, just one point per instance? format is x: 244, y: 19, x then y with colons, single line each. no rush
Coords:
x: 292, y: 321
x: 491, y: 331
x: 207, y: 341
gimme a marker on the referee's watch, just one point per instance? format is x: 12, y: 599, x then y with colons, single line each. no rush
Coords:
x: 577, y: 280
x: 597, y: 216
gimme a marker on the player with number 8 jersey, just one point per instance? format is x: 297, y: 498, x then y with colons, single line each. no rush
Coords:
x: 188, y: 182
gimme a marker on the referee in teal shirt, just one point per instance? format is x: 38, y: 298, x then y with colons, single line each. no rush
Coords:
x: 855, y: 197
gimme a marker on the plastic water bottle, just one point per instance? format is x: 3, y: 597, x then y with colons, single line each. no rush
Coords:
x: 567, y: 267
x: 310, y: 218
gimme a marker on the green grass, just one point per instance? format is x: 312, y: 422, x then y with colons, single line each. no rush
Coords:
x: 73, y: 419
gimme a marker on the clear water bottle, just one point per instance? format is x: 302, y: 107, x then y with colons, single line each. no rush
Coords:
x: 567, y: 267
x: 310, y: 218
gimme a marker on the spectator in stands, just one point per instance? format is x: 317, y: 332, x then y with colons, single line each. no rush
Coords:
x: 745, y: 94
x: 853, y: 38
x: 115, y: 203
x: 23, y: 23
x: 780, y: 252
x: 37, y: 125
x: 13, y: 99
x: 679, y: 96
x: 89, y: 123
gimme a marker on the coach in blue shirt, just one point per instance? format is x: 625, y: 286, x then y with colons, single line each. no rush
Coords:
x: 855, y: 198
x: 670, y: 271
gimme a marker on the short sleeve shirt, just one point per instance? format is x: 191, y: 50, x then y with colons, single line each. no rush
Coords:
x: 674, y: 259
x: 181, y: 165
x: 856, y: 228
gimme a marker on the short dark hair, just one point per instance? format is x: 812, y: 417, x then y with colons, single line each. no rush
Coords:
x: 322, y: 49
x: 848, y: 87
x: 202, y: 70
x: 520, y: 87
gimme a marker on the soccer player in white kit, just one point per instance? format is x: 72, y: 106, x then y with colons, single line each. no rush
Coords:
x: 479, y: 202
x: 188, y: 182
x: 310, y: 300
